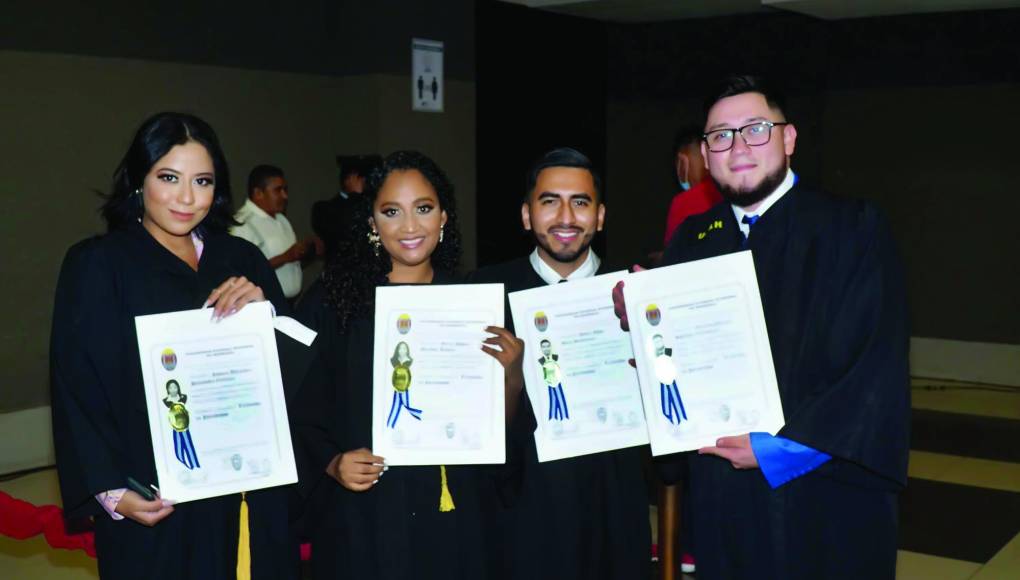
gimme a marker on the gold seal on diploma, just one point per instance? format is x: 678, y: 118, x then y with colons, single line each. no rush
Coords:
x: 401, y: 378
x: 179, y: 419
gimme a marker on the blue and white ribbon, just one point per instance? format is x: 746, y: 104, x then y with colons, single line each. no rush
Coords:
x: 184, y: 449
x: 557, y: 403
x: 401, y: 400
x: 672, y: 405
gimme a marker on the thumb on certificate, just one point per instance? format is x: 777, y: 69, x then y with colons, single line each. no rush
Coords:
x: 619, y: 307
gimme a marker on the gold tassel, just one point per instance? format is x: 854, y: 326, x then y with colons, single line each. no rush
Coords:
x: 243, y: 544
x: 445, y: 499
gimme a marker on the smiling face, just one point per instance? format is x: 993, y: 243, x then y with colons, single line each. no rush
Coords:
x: 407, y: 216
x: 747, y: 174
x: 564, y: 214
x: 177, y: 192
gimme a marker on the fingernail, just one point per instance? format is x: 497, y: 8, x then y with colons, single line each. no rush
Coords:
x: 375, y: 482
x: 386, y: 468
x: 232, y: 311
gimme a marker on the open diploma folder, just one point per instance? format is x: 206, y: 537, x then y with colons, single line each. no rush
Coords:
x: 702, y: 352
x: 437, y: 398
x: 584, y: 393
x: 215, y: 401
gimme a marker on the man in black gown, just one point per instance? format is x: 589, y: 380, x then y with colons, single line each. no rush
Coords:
x: 331, y: 218
x: 819, y: 499
x: 584, y: 517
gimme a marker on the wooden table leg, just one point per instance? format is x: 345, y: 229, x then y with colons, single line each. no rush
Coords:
x: 669, y: 526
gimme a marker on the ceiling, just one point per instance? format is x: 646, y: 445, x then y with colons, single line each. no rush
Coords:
x: 660, y: 10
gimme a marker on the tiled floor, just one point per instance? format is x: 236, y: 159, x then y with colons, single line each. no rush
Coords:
x: 960, y: 514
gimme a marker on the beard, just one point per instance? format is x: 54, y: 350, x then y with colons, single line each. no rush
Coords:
x: 565, y: 255
x: 748, y: 197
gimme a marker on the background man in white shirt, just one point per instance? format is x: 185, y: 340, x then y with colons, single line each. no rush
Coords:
x: 263, y: 223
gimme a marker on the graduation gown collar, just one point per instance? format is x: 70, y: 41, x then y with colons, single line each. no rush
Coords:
x: 154, y: 255
x: 438, y: 277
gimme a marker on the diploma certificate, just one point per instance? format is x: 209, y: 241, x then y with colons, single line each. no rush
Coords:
x: 702, y: 352
x: 215, y: 401
x: 437, y: 397
x: 584, y: 394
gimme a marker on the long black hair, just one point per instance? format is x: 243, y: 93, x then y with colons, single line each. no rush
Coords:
x: 155, y: 138
x: 353, y: 273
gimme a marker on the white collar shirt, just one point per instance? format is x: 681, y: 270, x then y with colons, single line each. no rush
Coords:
x: 274, y: 236
x: 587, y: 269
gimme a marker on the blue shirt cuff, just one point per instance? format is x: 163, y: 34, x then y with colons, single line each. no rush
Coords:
x: 782, y: 460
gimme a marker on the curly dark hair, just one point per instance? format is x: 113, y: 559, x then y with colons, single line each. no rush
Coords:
x: 352, y: 274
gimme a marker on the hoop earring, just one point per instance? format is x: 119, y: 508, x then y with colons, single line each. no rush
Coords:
x: 441, y: 229
x: 375, y: 242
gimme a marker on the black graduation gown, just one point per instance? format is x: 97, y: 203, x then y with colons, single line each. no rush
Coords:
x: 577, y: 518
x: 393, y: 531
x: 100, y: 424
x: 832, y: 291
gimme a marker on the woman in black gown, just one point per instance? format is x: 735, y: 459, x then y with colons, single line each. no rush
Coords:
x: 166, y: 249
x: 368, y: 521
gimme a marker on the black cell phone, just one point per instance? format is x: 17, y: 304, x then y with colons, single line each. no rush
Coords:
x: 140, y: 489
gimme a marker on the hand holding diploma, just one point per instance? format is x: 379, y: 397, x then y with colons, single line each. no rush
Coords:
x: 148, y: 513
x: 357, y: 470
x: 231, y: 296
x: 736, y: 449
x: 510, y: 354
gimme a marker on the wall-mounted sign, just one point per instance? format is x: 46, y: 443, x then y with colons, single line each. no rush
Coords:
x: 426, y: 75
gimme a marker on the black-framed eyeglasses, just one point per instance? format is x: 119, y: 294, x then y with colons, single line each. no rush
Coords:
x: 754, y: 135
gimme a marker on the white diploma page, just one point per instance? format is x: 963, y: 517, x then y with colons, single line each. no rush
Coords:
x: 215, y: 401
x: 437, y: 397
x: 584, y: 394
x: 702, y: 352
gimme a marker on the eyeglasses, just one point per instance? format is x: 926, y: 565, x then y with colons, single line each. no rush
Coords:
x: 754, y: 135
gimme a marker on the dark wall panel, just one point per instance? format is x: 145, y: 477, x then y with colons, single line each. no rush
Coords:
x: 331, y: 37
x: 905, y: 111
x: 541, y: 84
